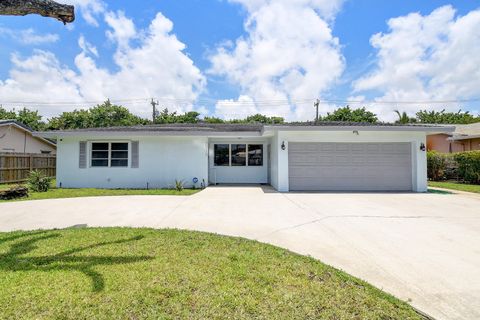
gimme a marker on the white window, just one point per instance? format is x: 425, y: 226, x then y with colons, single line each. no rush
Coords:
x: 109, y: 154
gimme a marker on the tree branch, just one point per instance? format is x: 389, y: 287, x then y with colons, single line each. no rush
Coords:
x: 46, y: 8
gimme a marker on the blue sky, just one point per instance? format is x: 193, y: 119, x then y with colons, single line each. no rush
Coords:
x: 290, y: 53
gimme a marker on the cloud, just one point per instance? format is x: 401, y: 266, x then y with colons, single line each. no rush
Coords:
x: 155, y: 67
x: 236, y: 108
x: 89, y: 9
x: 288, y: 54
x: 431, y: 57
x: 28, y: 36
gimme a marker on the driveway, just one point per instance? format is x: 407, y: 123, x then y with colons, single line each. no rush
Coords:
x: 423, y: 248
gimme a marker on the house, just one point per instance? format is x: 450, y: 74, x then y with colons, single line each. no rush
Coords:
x: 466, y: 137
x: 328, y: 156
x: 17, y: 137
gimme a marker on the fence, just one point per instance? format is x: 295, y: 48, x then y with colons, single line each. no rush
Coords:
x: 15, y: 167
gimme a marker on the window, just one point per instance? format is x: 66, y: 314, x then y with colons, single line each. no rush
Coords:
x: 221, y: 154
x: 255, y: 155
x: 239, y: 155
x: 110, y: 154
x: 45, y: 152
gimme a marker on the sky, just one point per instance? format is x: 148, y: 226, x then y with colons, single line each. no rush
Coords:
x: 233, y: 58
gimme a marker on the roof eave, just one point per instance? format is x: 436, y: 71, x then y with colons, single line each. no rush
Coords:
x: 427, y: 129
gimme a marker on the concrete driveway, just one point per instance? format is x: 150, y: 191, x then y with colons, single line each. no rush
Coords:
x: 423, y: 248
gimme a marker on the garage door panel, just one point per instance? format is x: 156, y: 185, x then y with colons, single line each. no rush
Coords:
x: 350, y: 166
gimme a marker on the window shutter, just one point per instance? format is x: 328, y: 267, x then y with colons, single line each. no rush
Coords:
x: 135, y: 154
x: 82, y: 160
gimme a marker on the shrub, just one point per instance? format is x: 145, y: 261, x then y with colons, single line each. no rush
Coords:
x: 436, y: 165
x: 179, y: 185
x: 14, y: 192
x: 39, y: 182
x: 469, y: 166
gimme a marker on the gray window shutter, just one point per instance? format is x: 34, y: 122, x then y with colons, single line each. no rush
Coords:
x: 82, y: 160
x: 135, y: 154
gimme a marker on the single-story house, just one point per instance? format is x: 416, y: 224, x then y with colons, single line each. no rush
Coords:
x: 466, y: 137
x: 328, y: 156
x: 17, y: 137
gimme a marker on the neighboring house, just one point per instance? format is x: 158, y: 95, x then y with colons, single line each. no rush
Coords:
x: 328, y: 156
x: 17, y: 137
x: 466, y: 137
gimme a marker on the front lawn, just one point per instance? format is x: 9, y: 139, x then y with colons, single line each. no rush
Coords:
x: 123, y: 273
x: 55, y: 193
x: 455, y: 186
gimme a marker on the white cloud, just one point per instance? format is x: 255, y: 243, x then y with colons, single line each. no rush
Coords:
x: 123, y: 29
x: 155, y: 67
x: 28, y: 36
x: 289, y: 53
x: 236, y: 108
x: 424, y: 58
x: 89, y: 9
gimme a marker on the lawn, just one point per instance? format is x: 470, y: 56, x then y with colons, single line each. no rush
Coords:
x: 124, y: 273
x: 455, y: 186
x: 55, y: 193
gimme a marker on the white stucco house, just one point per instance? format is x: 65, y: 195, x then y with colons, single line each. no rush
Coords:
x: 325, y: 157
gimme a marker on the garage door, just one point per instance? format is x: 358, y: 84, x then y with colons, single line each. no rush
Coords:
x: 350, y: 166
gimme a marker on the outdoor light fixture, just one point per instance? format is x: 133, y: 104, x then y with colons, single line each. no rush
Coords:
x: 283, y: 145
x: 422, y: 146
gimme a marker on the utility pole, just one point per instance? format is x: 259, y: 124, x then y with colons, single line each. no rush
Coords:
x: 154, y: 110
x: 316, y: 104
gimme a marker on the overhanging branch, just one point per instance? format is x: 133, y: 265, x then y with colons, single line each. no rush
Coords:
x: 46, y: 8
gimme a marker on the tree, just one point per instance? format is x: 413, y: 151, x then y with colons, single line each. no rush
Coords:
x: 213, y: 120
x: 28, y: 117
x: 459, y: 117
x: 103, y: 115
x: 403, y: 118
x: 46, y: 8
x: 172, y: 117
x: 348, y: 115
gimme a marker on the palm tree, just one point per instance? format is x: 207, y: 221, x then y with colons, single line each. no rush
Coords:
x: 403, y: 118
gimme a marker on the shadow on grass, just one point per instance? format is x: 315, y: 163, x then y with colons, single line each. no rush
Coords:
x: 13, y: 260
x: 437, y: 191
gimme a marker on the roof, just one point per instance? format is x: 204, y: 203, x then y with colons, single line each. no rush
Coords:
x: 24, y: 127
x: 232, y: 129
x: 465, y: 131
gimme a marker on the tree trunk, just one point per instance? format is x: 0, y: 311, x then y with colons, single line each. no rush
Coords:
x: 46, y: 8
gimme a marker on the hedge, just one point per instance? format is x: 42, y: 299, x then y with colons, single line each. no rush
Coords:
x: 469, y: 166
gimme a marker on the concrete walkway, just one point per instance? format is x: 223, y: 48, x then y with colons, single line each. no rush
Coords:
x: 423, y: 248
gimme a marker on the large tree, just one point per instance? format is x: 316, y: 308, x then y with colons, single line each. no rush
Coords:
x: 460, y: 117
x: 28, y: 117
x: 351, y: 115
x: 46, y: 8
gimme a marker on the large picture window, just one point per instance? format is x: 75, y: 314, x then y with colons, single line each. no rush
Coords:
x: 255, y: 155
x: 221, y: 154
x: 238, y: 155
x: 109, y: 154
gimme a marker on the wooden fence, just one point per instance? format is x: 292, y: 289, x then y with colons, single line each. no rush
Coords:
x: 15, y: 167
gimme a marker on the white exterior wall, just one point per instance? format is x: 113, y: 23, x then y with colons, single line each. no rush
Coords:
x: 240, y: 174
x: 419, y: 158
x: 161, y: 161
x: 13, y: 139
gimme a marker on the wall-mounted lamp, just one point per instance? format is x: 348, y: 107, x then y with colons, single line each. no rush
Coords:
x: 355, y: 132
x: 422, y: 146
x: 283, y: 145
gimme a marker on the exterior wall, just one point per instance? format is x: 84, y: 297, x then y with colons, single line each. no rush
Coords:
x: 439, y: 142
x: 246, y: 174
x: 162, y: 160
x: 13, y: 139
x: 419, y: 158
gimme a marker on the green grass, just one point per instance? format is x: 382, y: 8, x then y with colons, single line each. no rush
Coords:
x: 55, y: 193
x: 124, y: 273
x: 455, y: 186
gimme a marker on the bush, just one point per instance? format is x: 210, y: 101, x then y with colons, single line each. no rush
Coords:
x: 14, y: 193
x: 469, y: 166
x: 179, y: 185
x: 39, y: 182
x: 436, y: 165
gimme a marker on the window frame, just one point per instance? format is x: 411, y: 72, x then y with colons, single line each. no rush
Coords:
x: 247, y: 144
x: 109, y: 150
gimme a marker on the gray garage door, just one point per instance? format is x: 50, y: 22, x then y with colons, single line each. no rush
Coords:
x: 350, y: 166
